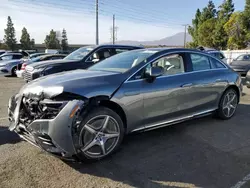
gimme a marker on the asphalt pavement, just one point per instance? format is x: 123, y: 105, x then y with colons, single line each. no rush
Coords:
x: 206, y: 152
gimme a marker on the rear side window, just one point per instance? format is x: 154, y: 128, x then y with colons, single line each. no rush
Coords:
x: 200, y: 62
x: 17, y: 56
x: 216, y: 64
x: 246, y: 57
x: 120, y: 50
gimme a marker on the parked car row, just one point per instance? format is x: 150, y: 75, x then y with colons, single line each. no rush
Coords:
x: 80, y: 59
x: 37, y: 58
x: 11, y: 62
x: 85, y: 114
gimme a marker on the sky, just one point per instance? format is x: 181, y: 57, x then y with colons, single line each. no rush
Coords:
x: 140, y: 20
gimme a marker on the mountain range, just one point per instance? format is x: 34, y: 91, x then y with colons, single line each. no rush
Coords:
x: 174, y: 40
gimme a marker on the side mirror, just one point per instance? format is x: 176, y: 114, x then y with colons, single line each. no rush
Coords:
x: 154, y: 72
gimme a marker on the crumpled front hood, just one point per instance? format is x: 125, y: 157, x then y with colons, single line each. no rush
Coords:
x: 81, y: 82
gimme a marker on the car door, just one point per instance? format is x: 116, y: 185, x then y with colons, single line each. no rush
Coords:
x: 207, y: 82
x: 167, y: 98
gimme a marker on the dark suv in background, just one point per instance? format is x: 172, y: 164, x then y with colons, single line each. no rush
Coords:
x: 80, y: 59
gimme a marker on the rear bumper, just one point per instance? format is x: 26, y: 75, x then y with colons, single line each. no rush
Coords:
x: 52, y: 135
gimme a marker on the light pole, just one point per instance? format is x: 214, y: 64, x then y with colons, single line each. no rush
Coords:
x: 97, y: 25
x: 185, y: 34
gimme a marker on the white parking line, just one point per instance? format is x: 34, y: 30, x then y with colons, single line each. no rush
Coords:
x: 242, y: 182
x: 3, y: 118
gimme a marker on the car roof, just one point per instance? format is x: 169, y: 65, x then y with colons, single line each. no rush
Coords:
x: 11, y: 54
x: 173, y: 49
x: 160, y: 51
x: 49, y: 55
x: 117, y: 45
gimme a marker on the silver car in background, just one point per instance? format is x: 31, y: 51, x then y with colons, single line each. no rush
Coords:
x: 9, y: 67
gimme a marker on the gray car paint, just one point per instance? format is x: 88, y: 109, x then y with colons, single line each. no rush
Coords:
x: 240, y: 66
x: 169, y: 99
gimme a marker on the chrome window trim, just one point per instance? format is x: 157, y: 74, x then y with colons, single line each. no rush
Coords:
x: 169, y: 53
x: 185, y: 73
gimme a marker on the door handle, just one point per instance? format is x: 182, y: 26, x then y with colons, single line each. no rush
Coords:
x: 187, y: 85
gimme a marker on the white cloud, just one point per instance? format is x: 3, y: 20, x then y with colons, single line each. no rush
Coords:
x: 80, y: 26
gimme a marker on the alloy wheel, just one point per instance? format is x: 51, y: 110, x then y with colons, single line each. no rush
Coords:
x: 99, y: 136
x: 229, y: 104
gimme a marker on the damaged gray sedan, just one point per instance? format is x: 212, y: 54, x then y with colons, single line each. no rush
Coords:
x: 84, y: 114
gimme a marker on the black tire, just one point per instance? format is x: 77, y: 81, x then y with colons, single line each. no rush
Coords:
x: 13, y: 71
x: 220, y: 113
x: 77, y: 133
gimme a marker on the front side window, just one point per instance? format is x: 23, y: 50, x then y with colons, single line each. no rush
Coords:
x: 172, y: 64
x: 101, y: 54
x: 79, y: 54
x: 200, y: 62
x: 124, y: 61
x: 17, y: 56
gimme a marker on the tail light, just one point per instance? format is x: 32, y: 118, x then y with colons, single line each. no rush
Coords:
x: 23, y: 66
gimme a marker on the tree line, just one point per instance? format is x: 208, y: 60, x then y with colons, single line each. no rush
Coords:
x: 221, y: 28
x: 52, y: 40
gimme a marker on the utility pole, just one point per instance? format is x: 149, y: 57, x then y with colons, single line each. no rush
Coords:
x: 185, y: 35
x: 97, y: 25
x: 113, y: 29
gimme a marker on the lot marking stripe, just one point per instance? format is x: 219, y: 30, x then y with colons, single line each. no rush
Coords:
x: 3, y: 118
x: 242, y: 182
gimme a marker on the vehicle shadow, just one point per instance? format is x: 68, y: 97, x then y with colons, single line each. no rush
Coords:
x: 8, y: 137
x: 10, y: 76
x: 191, y: 154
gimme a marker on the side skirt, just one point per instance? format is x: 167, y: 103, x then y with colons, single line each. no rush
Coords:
x: 174, y: 121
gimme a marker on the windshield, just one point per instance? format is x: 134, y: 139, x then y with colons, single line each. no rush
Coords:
x: 243, y: 58
x: 123, y: 61
x: 79, y: 54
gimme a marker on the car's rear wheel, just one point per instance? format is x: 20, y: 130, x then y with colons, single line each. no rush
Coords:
x: 99, y: 134
x: 228, y: 104
x: 13, y: 71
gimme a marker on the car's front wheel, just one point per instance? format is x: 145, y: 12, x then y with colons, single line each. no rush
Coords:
x: 99, y: 134
x: 228, y: 104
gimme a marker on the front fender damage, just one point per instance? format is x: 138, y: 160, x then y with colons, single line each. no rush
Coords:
x: 59, y: 129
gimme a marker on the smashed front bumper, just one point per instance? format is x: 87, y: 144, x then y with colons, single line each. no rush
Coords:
x: 52, y: 135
